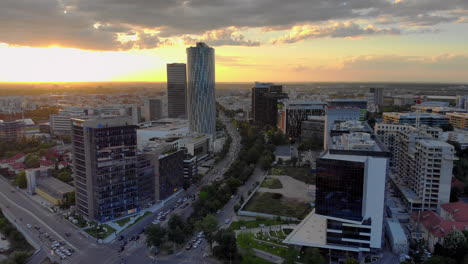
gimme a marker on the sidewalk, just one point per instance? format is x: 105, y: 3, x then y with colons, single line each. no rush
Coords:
x: 268, y: 256
x: 152, y: 209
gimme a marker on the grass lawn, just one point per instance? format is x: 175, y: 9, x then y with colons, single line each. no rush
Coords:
x: 257, y: 222
x: 272, y: 183
x: 287, y: 231
x: 108, y: 230
x: 271, y: 203
x: 121, y: 222
x: 302, y: 174
x: 137, y: 220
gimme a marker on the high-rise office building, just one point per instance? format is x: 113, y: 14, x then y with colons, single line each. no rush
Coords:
x: 177, y: 90
x: 265, y: 98
x: 349, y: 206
x: 105, y: 167
x: 201, y: 101
x: 291, y: 113
x: 152, y: 109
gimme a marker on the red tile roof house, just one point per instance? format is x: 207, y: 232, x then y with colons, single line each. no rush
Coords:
x: 434, y: 227
x: 15, y: 159
x: 47, y: 164
x: 63, y: 164
x: 17, y: 167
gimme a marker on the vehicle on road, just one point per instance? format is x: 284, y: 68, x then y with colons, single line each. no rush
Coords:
x: 189, y: 246
x: 29, y: 226
x: 67, y: 234
x: 122, y: 248
x: 219, y: 211
x: 227, y: 221
x: 121, y: 238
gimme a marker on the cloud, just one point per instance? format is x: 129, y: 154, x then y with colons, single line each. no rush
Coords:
x: 335, y: 30
x: 230, y: 36
x: 71, y: 23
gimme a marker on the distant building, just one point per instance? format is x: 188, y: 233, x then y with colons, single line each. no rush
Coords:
x: 201, y: 102
x: 375, y: 99
x: 12, y: 130
x: 428, y: 108
x: 428, y: 119
x: 313, y: 128
x: 335, y: 115
x: 403, y: 100
x: 350, y: 191
x: 461, y: 101
x: 53, y: 190
x: 104, y: 153
x: 152, y: 109
x: 177, y: 90
x: 291, y: 113
x: 459, y: 120
x: 350, y: 103
x: 460, y: 137
x: 265, y: 98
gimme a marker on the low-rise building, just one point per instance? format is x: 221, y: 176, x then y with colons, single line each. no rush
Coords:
x: 429, y: 119
x: 53, y: 190
x: 459, y: 120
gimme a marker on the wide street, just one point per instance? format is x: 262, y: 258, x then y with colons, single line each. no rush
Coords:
x: 24, y: 211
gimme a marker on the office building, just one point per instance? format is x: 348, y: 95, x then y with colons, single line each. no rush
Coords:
x: 12, y: 130
x: 105, y: 167
x: 460, y: 137
x: 429, y: 119
x: 421, y: 167
x: 168, y: 164
x: 459, y: 120
x: 351, y: 103
x: 313, y: 128
x: 350, y: 191
x: 461, y: 101
x: 201, y: 102
x: 190, y: 167
x: 291, y: 113
x: 265, y: 98
x: 177, y: 90
x: 152, y: 109
x: 335, y: 115
x: 375, y: 99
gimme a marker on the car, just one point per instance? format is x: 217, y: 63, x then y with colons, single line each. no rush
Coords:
x: 29, y: 226
x: 62, y: 243
x: 54, y: 247
x: 195, y: 245
x: 189, y: 246
x: 71, y: 250
x: 227, y: 221
x: 142, y: 231
x: 67, y: 234
x: 219, y: 211
x: 122, y: 248
x: 194, y: 198
x: 121, y: 238
x: 155, y: 222
x: 68, y: 253
x: 41, y: 232
x: 37, y: 227
x: 137, y: 237
x: 57, y: 251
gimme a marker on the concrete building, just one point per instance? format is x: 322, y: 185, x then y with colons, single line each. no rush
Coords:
x: 201, y: 101
x: 313, y: 128
x: 429, y: 119
x: 403, y: 100
x: 443, y: 110
x: 291, y: 113
x: 421, y: 165
x: 152, y: 109
x: 190, y: 167
x: 11, y: 130
x: 350, y: 103
x: 396, y: 236
x: 460, y: 137
x: 177, y: 90
x: 105, y: 167
x: 336, y: 114
x: 375, y: 99
x: 459, y: 120
x: 265, y: 97
x: 461, y: 101
x: 351, y: 176
x: 53, y: 190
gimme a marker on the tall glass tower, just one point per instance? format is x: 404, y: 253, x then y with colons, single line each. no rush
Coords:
x: 201, y: 104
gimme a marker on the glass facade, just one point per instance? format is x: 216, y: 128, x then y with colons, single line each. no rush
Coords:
x: 176, y: 90
x: 340, y: 188
x: 201, y: 103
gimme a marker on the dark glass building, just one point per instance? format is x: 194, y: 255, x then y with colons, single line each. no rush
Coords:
x: 265, y: 97
x: 176, y: 90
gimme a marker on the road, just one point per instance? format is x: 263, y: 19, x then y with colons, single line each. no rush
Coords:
x: 25, y: 211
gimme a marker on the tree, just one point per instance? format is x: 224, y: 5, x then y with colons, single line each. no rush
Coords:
x: 294, y: 161
x: 31, y: 161
x: 313, y: 256
x: 439, y: 260
x: 21, y: 180
x: 227, y: 246
x: 176, y: 235
x: 208, y: 224
x: 454, y: 240
x: 155, y: 235
x: 351, y: 261
x: 18, y: 257
x: 176, y: 221
x: 65, y: 176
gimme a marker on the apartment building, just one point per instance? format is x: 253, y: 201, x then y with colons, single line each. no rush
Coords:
x: 459, y: 120
x: 291, y: 113
x: 429, y: 119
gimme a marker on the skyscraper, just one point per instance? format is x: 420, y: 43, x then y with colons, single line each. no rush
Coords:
x: 152, y: 109
x: 105, y: 167
x: 201, y: 103
x: 177, y: 90
x: 265, y: 97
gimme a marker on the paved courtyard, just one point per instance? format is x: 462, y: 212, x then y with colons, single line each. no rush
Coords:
x: 292, y: 188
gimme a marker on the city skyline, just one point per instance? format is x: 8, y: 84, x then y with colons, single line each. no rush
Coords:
x: 324, y: 41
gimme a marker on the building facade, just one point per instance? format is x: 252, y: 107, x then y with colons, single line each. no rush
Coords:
x: 313, y: 128
x: 292, y: 113
x: 177, y: 90
x: 105, y: 167
x: 351, y: 177
x: 459, y: 120
x: 350, y: 103
x: 152, y: 109
x: 12, y: 130
x: 428, y: 119
x: 265, y: 98
x: 201, y: 102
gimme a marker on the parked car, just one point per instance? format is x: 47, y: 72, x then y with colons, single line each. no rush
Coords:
x: 121, y: 238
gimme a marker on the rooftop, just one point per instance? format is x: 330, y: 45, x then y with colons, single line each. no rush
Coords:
x: 414, y: 115
x: 436, y: 225
x: 458, y: 210
x: 53, y: 185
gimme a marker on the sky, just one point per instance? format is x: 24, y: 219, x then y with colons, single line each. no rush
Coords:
x: 254, y: 40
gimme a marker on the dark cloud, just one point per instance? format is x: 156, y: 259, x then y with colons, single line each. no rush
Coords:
x: 44, y: 23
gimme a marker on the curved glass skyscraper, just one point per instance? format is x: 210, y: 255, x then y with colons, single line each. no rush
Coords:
x: 201, y: 104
